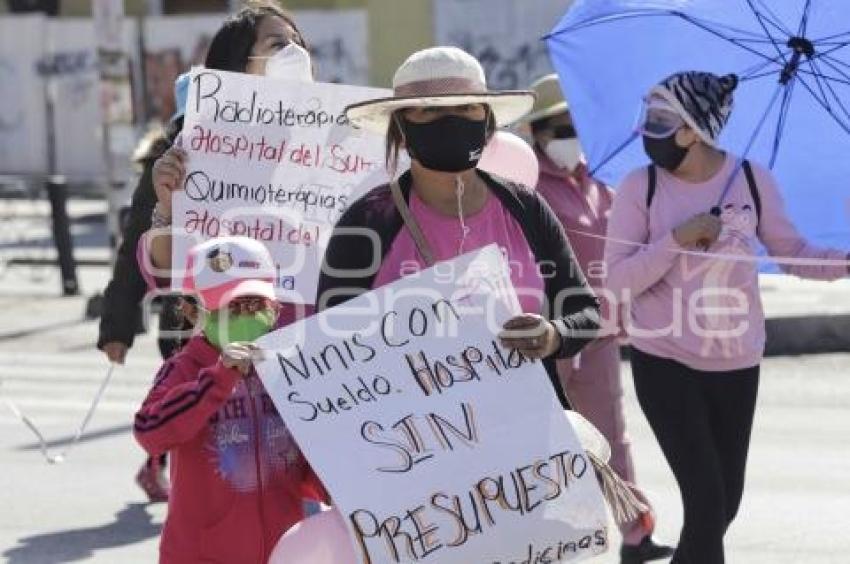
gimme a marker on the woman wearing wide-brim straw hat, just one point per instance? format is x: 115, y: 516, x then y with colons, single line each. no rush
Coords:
x: 442, y: 113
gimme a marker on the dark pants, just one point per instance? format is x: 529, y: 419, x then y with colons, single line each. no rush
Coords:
x: 702, y: 421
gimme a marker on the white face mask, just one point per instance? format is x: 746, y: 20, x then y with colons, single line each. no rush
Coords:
x: 565, y: 153
x: 290, y: 63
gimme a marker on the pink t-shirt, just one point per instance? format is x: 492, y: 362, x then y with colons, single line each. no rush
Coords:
x: 701, y: 310
x: 493, y: 224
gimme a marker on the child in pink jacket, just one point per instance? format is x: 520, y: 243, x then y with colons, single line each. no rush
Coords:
x: 683, y: 236
x: 238, y: 479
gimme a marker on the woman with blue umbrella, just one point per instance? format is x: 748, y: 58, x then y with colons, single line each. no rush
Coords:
x: 792, y: 59
x: 591, y: 382
x: 681, y: 252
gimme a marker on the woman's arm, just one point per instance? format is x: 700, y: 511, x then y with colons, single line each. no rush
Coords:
x: 169, y: 172
x: 632, y: 268
x: 782, y: 239
x: 127, y: 287
x: 356, y: 249
x: 574, y: 306
x: 181, y: 402
x: 159, y: 248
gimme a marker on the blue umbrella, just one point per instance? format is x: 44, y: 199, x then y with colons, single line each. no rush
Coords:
x: 792, y: 107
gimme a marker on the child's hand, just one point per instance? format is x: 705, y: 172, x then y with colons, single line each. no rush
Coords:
x: 240, y: 356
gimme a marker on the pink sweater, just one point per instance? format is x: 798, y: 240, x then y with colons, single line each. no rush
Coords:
x: 702, y: 311
x: 582, y: 205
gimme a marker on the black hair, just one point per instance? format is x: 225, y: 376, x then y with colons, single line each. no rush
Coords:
x: 233, y: 42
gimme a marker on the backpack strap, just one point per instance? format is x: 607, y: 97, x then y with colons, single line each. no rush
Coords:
x: 653, y: 182
x: 754, y: 191
x: 412, y: 225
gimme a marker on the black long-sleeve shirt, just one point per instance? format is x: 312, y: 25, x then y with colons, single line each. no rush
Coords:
x: 125, y: 290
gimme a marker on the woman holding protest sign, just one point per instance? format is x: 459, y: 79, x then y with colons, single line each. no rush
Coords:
x: 443, y: 207
x: 260, y: 39
x: 681, y: 250
x: 255, y: 41
x: 443, y: 114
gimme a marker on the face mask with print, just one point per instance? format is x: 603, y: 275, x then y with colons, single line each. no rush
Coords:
x: 565, y: 153
x: 221, y: 329
x: 290, y: 63
x: 447, y: 144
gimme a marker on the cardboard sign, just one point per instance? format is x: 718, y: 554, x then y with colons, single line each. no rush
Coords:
x: 436, y: 444
x: 276, y: 161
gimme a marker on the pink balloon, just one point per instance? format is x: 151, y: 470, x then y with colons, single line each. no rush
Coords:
x: 508, y: 156
x: 319, y: 539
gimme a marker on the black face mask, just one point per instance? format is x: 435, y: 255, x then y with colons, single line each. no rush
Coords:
x: 447, y: 144
x: 665, y: 152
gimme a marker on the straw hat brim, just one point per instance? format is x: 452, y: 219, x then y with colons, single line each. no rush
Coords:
x: 553, y: 110
x: 374, y: 115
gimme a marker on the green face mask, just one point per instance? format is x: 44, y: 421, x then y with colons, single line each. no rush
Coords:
x: 222, y: 329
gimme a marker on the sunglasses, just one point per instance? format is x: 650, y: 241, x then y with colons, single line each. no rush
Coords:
x: 563, y: 131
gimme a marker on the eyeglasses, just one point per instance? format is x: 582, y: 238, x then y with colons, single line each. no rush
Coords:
x: 659, y: 120
x: 249, y: 304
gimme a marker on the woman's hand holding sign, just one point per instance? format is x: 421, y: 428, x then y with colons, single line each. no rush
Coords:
x: 169, y: 172
x: 533, y: 335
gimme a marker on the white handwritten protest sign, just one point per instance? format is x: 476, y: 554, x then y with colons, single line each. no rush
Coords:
x: 274, y: 160
x: 437, y: 444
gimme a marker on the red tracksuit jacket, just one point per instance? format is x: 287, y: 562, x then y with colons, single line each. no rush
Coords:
x: 237, y: 476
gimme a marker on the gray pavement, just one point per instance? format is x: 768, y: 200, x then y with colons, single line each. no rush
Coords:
x: 796, y: 508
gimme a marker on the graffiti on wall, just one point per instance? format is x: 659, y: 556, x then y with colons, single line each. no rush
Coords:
x: 510, y: 46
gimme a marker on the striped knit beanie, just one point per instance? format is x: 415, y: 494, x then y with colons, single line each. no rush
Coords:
x: 703, y: 99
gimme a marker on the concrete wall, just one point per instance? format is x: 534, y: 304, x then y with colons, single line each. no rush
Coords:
x: 140, y: 7
x: 83, y: 7
x: 396, y: 29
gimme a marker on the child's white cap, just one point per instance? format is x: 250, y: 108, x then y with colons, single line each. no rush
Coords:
x: 225, y: 268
